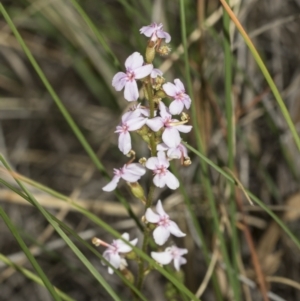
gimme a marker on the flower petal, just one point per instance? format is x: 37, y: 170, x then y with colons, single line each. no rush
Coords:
x: 156, y: 72
x: 133, y: 172
x: 162, y: 147
x: 155, y: 124
x: 159, y: 181
x: 178, y: 262
x: 163, y: 111
x: 174, y: 153
x: 131, y: 92
x: 171, y: 137
x: 174, y: 229
x: 134, y: 61
x: 162, y: 257
x: 125, y: 235
x: 134, y: 241
x: 135, y: 124
x: 162, y: 159
x: 179, y: 85
x: 143, y: 71
x: 171, y: 181
x: 119, y: 81
x: 147, y: 30
x: 115, y: 260
x: 135, y: 169
x: 164, y: 35
x: 152, y: 163
x: 170, y: 89
x: 176, y: 107
x: 160, y: 235
x: 124, y: 143
x: 151, y: 216
x: 160, y: 210
x: 184, y: 128
x: 112, y: 184
x: 187, y: 102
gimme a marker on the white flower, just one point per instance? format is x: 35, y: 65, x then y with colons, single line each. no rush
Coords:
x: 162, y: 176
x: 171, y: 253
x: 177, y: 92
x: 134, y: 70
x: 172, y: 127
x: 129, y: 172
x: 155, y: 31
x: 131, y: 121
x: 178, y: 152
x: 113, y: 251
x: 165, y: 226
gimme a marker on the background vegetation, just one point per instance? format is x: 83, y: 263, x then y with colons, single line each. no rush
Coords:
x: 57, y: 120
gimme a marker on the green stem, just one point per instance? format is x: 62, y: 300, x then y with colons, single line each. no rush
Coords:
x: 151, y: 189
x: 141, y: 264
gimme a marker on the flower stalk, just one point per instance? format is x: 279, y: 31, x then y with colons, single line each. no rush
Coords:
x: 153, y: 121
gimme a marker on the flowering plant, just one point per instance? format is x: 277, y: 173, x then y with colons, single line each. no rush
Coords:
x: 154, y: 122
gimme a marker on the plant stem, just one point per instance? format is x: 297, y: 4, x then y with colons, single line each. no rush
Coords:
x: 151, y: 189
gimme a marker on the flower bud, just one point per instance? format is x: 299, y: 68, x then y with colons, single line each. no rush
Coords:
x: 143, y: 161
x: 150, y: 53
x: 187, y: 161
x: 164, y: 50
x: 137, y: 190
x: 131, y: 255
x: 128, y: 275
x: 161, y: 94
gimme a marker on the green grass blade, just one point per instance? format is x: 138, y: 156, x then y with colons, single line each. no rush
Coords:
x: 31, y: 276
x: 72, y: 246
x: 266, y: 74
x: 230, y: 148
x: 64, y: 111
x: 100, y: 223
x: 253, y: 197
x: 30, y: 257
x: 66, y: 228
x: 199, y: 231
x: 95, y: 30
x: 206, y: 180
